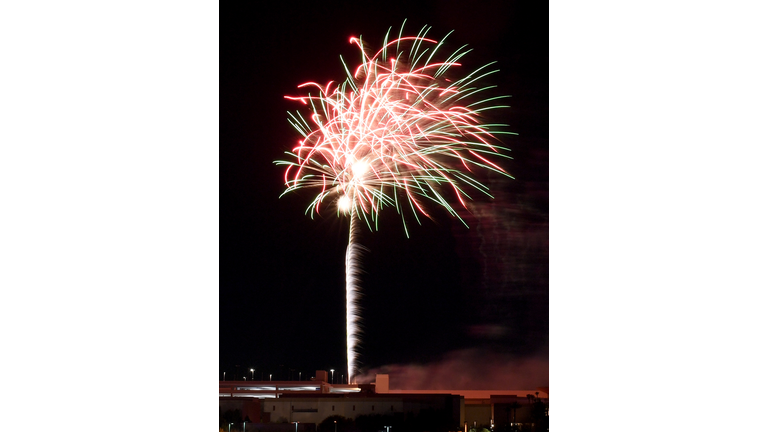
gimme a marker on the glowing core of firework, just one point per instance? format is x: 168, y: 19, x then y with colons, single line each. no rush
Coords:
x: 345, y: 203
x: 359, y: 168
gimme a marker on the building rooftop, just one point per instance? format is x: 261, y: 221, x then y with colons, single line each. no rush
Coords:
x: 275, y: 389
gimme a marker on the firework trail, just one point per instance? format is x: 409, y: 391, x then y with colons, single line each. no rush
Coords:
x: 396, y: 132
x: 352, y: 271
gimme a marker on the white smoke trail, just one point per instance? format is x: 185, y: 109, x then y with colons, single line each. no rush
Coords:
x: 352, y: 272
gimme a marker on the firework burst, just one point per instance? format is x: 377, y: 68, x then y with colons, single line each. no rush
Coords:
x: 397, y: 132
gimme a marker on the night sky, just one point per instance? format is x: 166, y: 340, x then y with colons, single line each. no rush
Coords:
x: 447, y: 307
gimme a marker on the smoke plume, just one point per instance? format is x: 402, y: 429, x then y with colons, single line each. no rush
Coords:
x: 471, y: 369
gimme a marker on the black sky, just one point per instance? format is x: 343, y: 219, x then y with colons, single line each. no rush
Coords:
x: 446, y: 289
